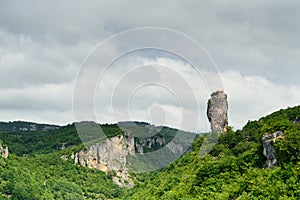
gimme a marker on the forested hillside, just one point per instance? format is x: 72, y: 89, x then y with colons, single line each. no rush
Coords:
x: 41, y: 141
x: 234, y: 169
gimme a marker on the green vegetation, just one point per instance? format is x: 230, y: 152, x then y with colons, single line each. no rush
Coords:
x: 41, y: 142
x: 8, y: 127
x: 47, y: 176
x: 30, y: 142
x: 234, y: 169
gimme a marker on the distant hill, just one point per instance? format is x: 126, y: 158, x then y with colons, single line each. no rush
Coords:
x: 55, y: 138
x: 17, y: 126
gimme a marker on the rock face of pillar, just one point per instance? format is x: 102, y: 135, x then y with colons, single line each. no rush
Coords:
x: 217, y: 108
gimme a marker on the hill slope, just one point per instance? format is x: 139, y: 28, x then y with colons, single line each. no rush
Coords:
x: 234, y: 169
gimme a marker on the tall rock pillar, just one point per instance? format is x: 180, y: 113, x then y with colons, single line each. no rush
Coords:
x: 217, y: 108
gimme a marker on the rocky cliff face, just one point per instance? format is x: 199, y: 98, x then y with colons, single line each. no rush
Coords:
x: 109, y: 156
x: 217, y: 108
x: 140, y: 146
x: 3, y: 150
x: 148, y: 143
x: 269, y: 151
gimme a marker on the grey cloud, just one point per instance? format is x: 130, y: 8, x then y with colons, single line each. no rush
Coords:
x: 38, y: 98
x: 43, y: 43
x: 25, y: 62
x: 64, y: 21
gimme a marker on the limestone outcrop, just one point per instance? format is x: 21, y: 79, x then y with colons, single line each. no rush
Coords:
x: 269, y: 151
x: 217, y: 108
x: 3, y: 150
x: 109, y: 156
x: 148, y: 143
x: 131, y: 149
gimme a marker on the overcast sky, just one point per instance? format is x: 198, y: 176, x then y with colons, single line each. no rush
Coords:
x: 255, y: 45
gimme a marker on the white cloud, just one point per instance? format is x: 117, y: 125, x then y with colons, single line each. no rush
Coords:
x: 25, y: 62
x: 251, y: 97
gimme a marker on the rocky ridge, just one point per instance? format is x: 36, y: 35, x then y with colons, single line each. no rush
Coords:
x: 148, y: 143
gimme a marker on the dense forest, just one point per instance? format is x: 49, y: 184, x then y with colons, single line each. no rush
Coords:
x: 233, y: 169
